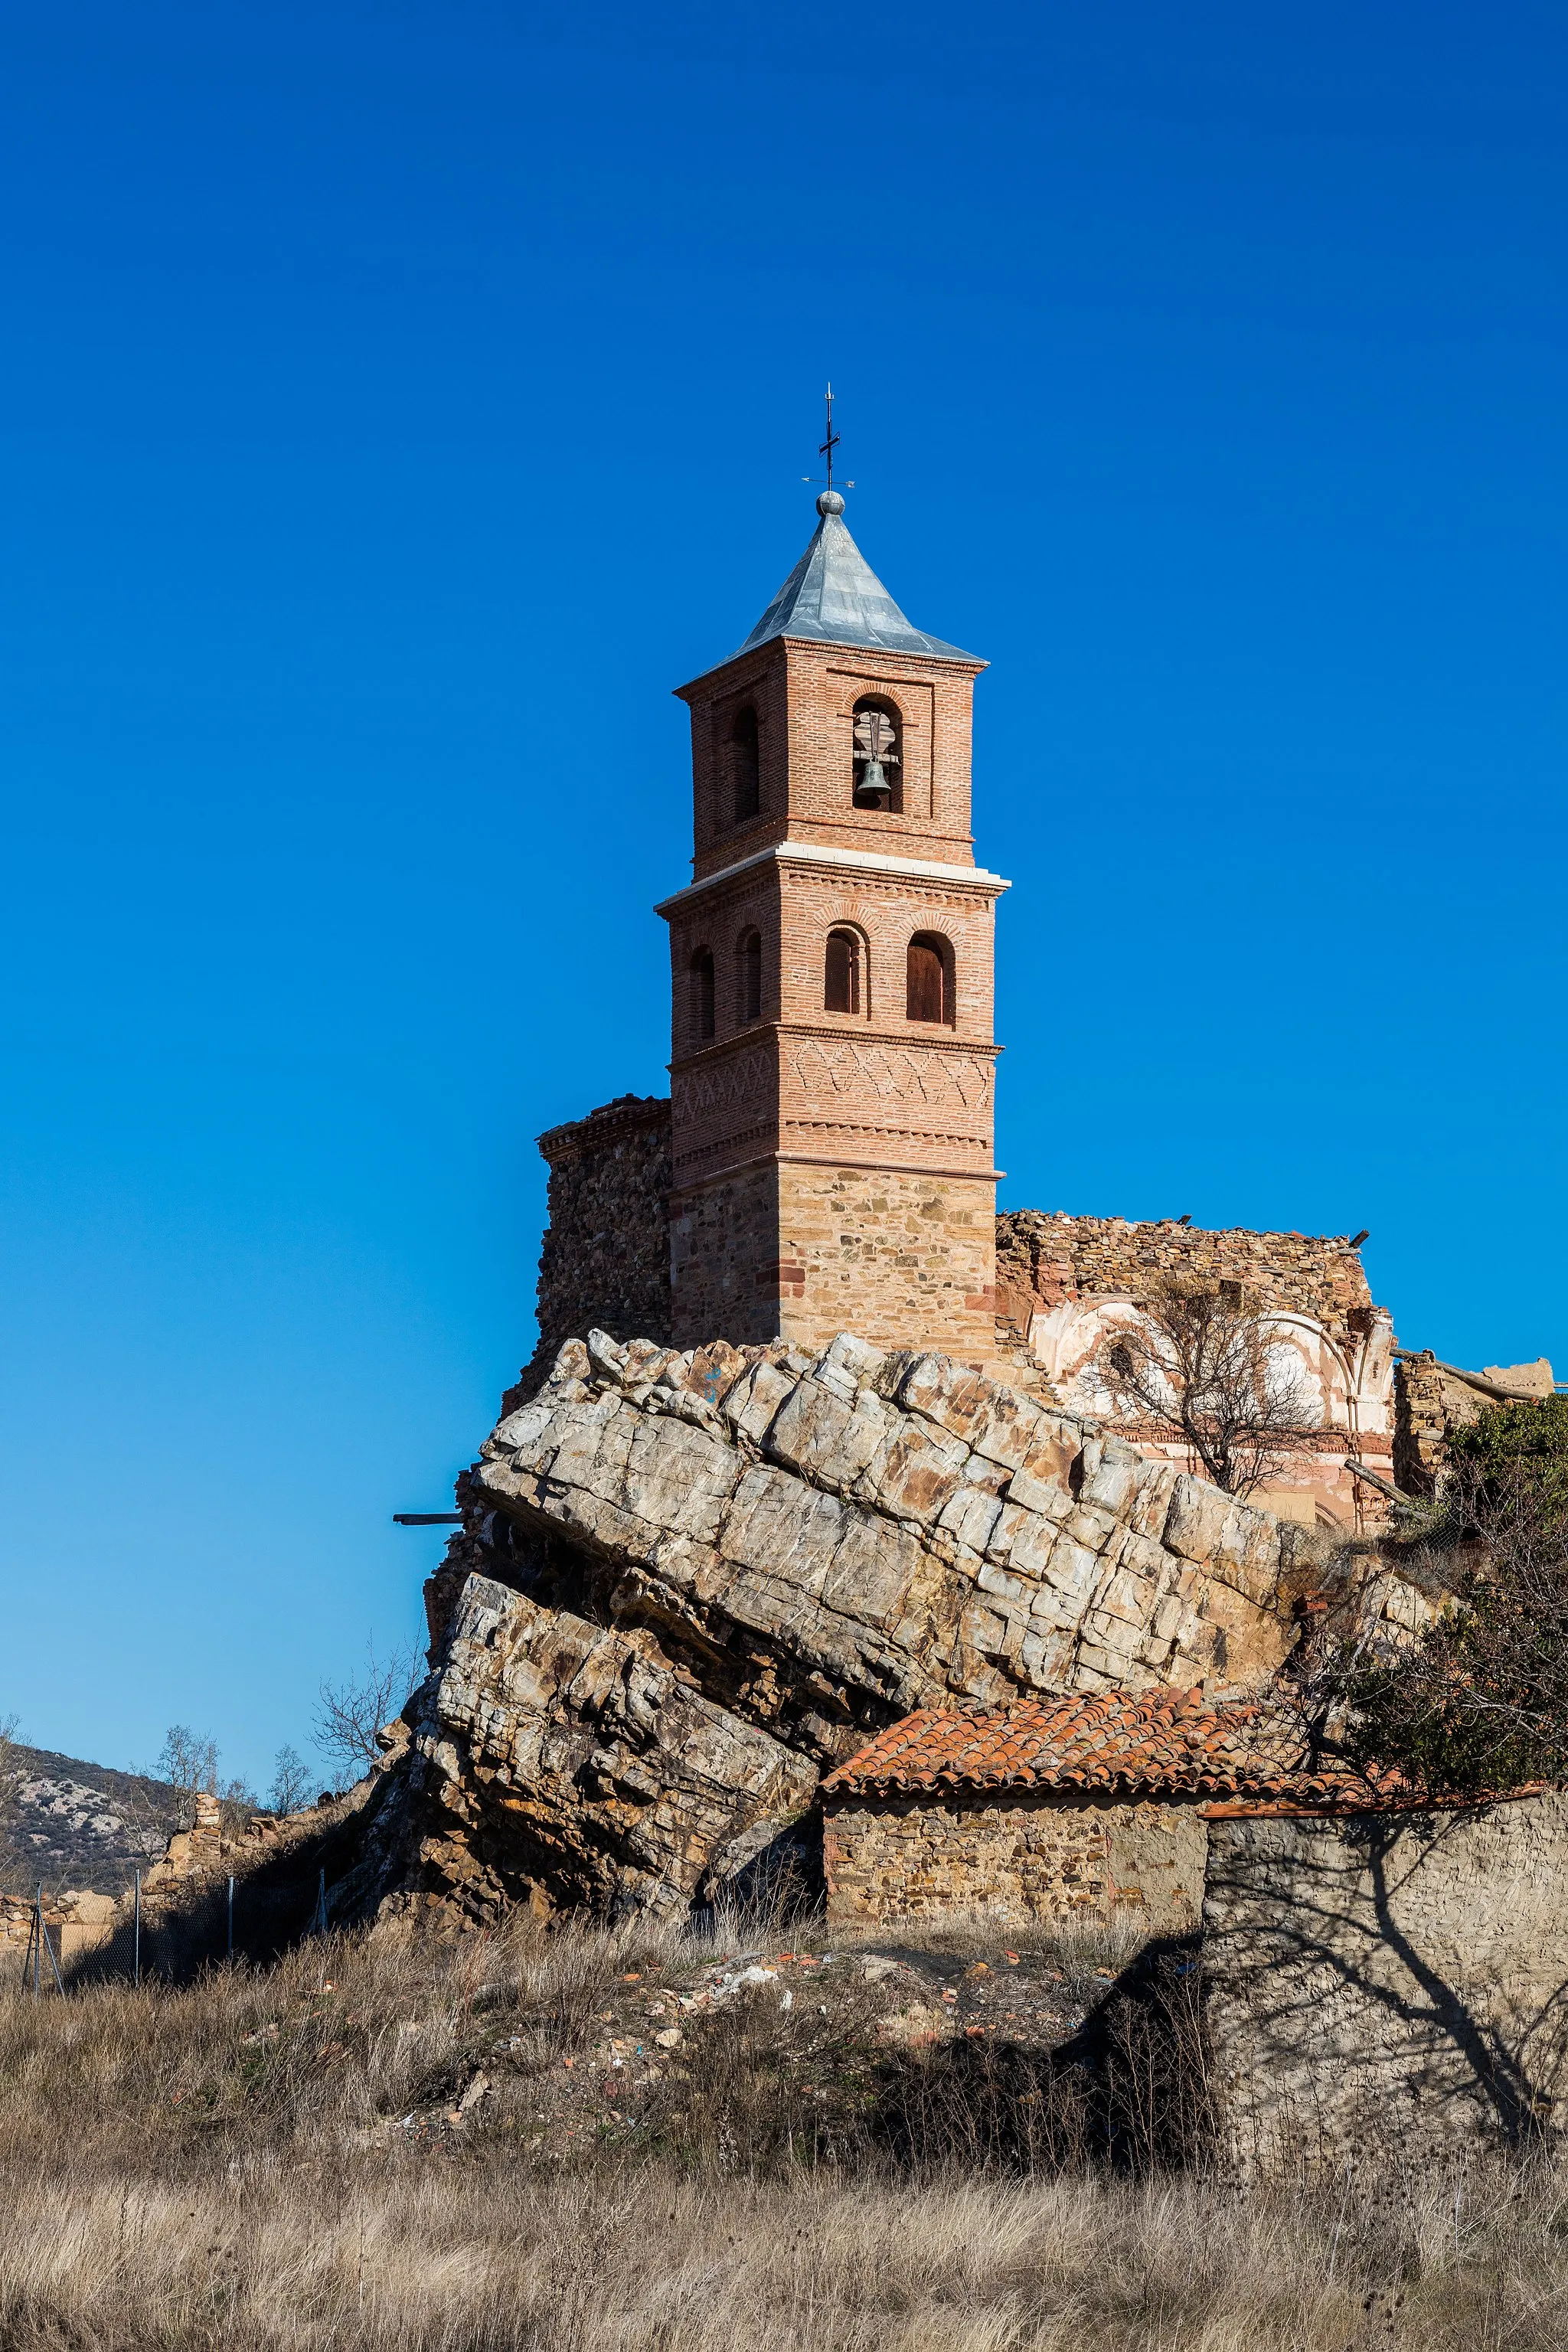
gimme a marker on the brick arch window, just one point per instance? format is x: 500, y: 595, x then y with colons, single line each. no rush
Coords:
x: 746, y: 762
x: 878, y: 743
x: 702, y: 1021
x: 749, y: 976
x: 930, y: 977
x: 844, y: 977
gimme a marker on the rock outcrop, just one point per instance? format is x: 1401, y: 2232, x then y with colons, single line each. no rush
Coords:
x: 690, y: 1583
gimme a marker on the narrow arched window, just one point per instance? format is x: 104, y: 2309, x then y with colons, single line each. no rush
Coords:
x: 929, y: 978
x: 841, y: 991
x: 702, y: 994
x: 877, y: 740
x: 745, y: 763
x: 748, y: 963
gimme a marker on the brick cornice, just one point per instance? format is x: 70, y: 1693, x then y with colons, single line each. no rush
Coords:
x: 712, y: 1176
x: 909, y: 1040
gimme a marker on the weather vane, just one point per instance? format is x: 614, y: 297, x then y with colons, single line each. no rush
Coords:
x: 827, y: 448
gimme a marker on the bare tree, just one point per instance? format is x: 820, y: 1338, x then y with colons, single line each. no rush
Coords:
x: 11, y: 1855
x: 352, y: 1713
x: 187, y: 1765
x: 1202, y: 1370
x: 291, y: 1781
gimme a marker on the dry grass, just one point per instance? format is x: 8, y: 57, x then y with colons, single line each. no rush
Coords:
x: 213, y: 2166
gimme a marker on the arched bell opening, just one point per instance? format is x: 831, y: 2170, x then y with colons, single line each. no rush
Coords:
x: 877, y: 740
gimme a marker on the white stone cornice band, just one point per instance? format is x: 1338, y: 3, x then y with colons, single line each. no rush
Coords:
x: 854, y: 861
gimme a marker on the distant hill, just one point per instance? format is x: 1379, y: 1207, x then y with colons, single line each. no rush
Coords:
x: 80, y: 1824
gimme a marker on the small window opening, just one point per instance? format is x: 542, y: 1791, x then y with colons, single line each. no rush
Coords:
x: 703, y: 993
x: 878, y: 750
x: 929, y: 978
x: 1122, y: 1360
x: 751, y: 976
x: 745, y: 763
x: 841, y: 993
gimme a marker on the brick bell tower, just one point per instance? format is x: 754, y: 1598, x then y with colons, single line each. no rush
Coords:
x: 832, y: 1064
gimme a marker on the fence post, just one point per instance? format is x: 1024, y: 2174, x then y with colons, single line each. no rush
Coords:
x: 137, y: 1945
x: 231, y: 1914
x: 40, y: 1943
x: 54, y: 1963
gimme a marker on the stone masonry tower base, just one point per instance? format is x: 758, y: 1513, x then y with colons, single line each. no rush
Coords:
x: 783, y: 1250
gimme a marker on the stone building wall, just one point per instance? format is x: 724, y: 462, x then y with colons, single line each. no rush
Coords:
x: 1431, y: 1400
x: 1067, y: 1285
x: 1043, y: 1260
x: 1387, y: 1983
x: 801, y: 1253
x: 1019, y: 1857
x: 606, y: 1255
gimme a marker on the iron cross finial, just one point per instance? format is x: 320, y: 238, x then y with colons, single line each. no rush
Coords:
x: 830, y: 502
x: 832, y: 441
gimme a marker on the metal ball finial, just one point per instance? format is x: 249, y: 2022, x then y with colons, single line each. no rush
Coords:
x: 829, y: 503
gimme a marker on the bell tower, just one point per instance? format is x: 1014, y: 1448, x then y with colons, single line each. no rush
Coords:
x: 831, y: 960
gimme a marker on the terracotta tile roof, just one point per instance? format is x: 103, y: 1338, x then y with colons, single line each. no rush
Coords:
x: 1126, y: 1743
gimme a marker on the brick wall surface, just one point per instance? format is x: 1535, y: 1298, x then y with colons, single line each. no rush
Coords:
x: 1387, y: 1983
x: 1020, y: 1858
x: 804, y: 695
x: 832, y: 1170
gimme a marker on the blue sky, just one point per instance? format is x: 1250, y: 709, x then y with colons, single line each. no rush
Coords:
x: 399, y: 401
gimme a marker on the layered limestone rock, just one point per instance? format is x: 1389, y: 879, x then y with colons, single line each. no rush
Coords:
x: 706, y: 1578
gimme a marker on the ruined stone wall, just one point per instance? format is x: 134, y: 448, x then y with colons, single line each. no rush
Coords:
x: 1422, y: 1421
x: 1019, y: 1858
x: 606, y: 1253
x: 80, y: 1922
x: 1043, y: 1259
x: 77, y: 1920
x: 1387, y: 1982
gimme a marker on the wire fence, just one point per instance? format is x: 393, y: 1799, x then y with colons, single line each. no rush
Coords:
x: 228, y: 1922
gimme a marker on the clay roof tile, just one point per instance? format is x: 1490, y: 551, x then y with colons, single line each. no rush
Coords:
x: 1171, y: 1743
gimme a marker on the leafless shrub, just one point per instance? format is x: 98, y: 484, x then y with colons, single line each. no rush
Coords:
x: 291, y: 1784
x: 1201, y: 1369
x: 1156, y: 2098
x: 164, y: 1801
x: 350, y: 1714
x: 11, y: 1854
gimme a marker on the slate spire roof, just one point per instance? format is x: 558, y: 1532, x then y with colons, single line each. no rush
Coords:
x: 834, y: 595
